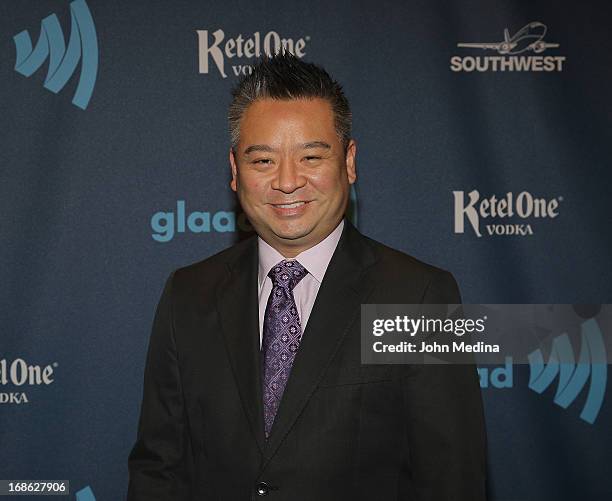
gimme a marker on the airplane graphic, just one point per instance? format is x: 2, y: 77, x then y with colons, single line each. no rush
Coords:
x: 529, y: 37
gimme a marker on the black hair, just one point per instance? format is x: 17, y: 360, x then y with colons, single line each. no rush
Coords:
x: 284, y: 76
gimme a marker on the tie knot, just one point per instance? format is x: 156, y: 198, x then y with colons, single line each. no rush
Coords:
x: 287, y: 273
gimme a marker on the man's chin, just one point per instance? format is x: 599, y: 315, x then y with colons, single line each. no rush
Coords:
x: 291, y: 231
x: 291, y: 235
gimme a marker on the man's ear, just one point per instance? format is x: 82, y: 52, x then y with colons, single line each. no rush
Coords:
x: 351, y: 170
x: 234, y: 168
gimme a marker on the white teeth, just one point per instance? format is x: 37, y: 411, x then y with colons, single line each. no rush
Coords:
x: 290, y: 206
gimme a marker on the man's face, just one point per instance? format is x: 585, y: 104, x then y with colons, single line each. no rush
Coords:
x: 291, y: 173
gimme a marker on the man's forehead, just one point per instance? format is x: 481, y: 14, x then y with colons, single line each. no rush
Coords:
x: 269, y: 124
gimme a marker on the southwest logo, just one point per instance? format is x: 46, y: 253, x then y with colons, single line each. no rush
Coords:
x: 82, y: 46
x: 573, y: 376
x: 529, y: 39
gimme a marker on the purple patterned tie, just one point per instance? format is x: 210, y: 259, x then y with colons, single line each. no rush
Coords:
x: 282, y: 332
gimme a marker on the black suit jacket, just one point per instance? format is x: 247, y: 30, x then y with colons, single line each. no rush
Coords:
x: 343, y: 430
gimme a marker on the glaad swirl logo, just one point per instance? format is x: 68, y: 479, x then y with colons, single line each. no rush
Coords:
x: 352, y: 211
x: 573, y: 376
x: 83, y: 46
x: 85, y: 494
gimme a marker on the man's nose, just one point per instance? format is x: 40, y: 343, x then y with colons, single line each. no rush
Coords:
x: 289, y: 178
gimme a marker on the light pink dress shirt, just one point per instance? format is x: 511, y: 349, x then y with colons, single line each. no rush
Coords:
x: 315, y: 260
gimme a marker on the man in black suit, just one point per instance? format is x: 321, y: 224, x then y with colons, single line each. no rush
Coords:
x: 254, y: 385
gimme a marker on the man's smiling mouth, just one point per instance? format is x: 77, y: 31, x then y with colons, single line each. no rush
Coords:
x: 290, y: 206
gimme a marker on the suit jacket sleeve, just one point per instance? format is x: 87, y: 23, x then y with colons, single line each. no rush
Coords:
x: 158, y: 463
x: 445, y: 431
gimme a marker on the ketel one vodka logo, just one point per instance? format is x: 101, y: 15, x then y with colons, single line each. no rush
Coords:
x: 213, y: 46
x: 528, y: 42
x: 500, y: 215
x: 19, y: 373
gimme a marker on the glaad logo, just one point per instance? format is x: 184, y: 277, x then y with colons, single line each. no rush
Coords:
x: 573, y: 376
x: 83, y: 46
x: 20, y: 373
x: 530, y: 38
x: 499, y: 377
x: 524, y: 206
x: 219, y: 49
x: 166, y: 224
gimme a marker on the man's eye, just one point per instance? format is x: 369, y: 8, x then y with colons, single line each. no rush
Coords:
x: 263, y: 161
x: 312, y: 157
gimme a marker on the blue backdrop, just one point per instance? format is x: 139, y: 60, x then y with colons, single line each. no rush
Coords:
x: 114, y: 171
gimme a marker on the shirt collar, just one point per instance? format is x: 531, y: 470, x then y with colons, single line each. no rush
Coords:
x: 315, y: 260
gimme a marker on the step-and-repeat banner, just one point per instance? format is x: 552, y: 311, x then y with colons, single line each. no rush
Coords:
x: 484, y: 146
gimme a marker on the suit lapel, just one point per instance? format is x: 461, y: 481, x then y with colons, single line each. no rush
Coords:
x: 238, y: 309
x: 336, y: 306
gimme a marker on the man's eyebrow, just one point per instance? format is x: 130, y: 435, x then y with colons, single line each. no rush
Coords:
x: 259, y: 147
x: 316, y: 144
x: 268, y: 149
